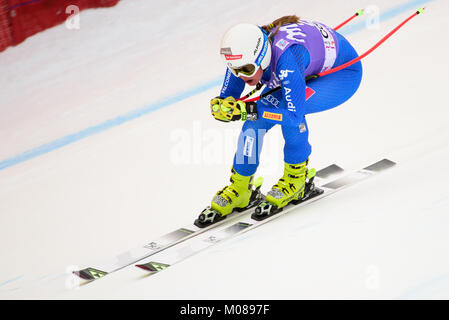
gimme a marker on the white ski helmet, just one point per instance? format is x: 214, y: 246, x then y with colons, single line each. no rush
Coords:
x: 244, y: 48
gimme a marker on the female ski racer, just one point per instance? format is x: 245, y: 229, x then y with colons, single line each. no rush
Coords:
x: 282, y: 53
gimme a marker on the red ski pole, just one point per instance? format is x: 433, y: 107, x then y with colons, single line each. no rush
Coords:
x: 347, y: 64
x: 259, y: 85
x: 358, y: 13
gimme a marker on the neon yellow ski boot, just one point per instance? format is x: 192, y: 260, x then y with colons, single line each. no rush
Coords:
x: 241, y: 194
x: 296, y: 186
x: 290, y: 187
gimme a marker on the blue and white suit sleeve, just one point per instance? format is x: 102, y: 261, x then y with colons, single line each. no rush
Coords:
x: 232, y: 86
x: 290, y: 71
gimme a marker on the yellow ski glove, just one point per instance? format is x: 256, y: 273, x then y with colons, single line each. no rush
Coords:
x: 228, y: 109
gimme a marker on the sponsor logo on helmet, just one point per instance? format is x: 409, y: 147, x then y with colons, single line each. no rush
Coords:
x: 257, y: 45
x: 263, y: 52
x: 225, y: 51
x: 233, y: 56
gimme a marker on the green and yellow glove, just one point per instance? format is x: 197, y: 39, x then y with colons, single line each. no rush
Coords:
x: 227, y: 109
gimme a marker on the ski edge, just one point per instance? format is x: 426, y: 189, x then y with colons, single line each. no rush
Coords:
x: 94, y: 273
x: 251, y: 223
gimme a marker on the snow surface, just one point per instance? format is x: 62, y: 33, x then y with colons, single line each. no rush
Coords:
x: 84, y: 176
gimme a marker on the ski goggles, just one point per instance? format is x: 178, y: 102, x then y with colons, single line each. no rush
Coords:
x: 247, y: 70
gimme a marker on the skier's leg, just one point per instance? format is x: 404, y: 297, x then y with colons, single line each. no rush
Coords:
x: 249, y: 147
x: 323, y: 93
x: 297, y: 149
x: 246, y: 160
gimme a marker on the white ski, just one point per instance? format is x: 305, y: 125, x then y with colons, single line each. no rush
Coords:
x: 162, y: 260
x: 170, y: 239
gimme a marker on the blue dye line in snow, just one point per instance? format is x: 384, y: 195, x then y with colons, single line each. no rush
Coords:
x: 61, y: 142
x: 436, y: 288
x: 10, y: 280
x: 71, y: 138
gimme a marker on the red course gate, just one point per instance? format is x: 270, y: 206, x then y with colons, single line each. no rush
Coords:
x: 20, y: 19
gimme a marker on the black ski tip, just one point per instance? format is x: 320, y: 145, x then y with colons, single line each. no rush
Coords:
x: 143, y: 266
x: 90, y: 274
x: 153, y: 266
x: 329, y: 171
x: 381, y: 165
